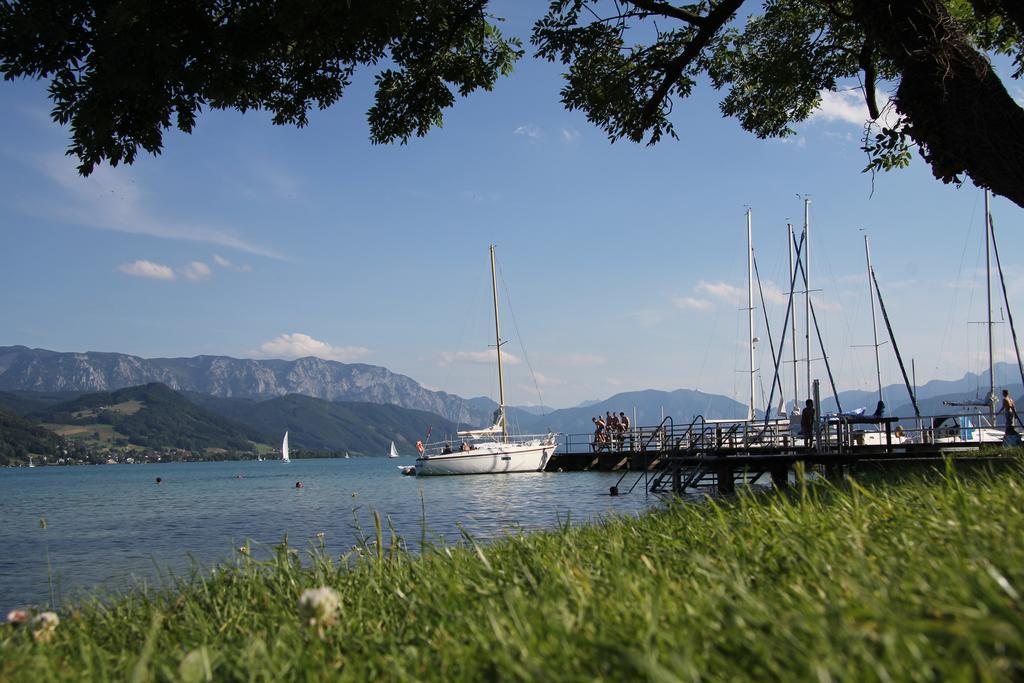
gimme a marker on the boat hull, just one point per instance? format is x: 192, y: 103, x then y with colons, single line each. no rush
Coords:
x: 488, y: 459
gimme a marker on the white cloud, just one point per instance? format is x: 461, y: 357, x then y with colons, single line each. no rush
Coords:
x: 530, y: 131
x: 848, y: 106
x: 773, y: 294
x: 582, y: 360
x: 449, y: 357
x: 570, y: 135
x: 688, y: 303
x: 845, y: 105
x: 147, y: 269
x: 298, y: 345
x: 195, y: 271
x: 722, y: 291
x: 545, y: 381
x: 110, y: 199
x: 224, y: 263
x: 729, y: 294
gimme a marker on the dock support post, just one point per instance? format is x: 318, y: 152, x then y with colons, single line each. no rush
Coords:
x: 677, y: 481
x: 780, y: 476
x: 726, y: 485
x: 834, y: 471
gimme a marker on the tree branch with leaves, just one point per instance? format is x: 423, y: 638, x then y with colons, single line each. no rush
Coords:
x: 123, y: 73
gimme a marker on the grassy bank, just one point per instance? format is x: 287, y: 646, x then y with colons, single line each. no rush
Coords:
x: 911, y: 579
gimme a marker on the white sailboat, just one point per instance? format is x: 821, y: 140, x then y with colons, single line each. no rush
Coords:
x: 394, y: 451
x: 489, y: 450
x: 284, y: 449
x: 30, y: 463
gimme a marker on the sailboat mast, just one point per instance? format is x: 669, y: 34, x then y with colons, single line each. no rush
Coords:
x: 807, y: 289
x: 497, y: 345
x: 988, y: 288
x: 874, y: 324
x: 750, y: 308
x: 792, y: 319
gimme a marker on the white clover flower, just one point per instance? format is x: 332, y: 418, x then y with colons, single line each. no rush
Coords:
x: 18, y: 617
x: 44, y: 626
x: 319, y: 606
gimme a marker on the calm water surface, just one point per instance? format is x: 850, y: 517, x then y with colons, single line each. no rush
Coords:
x: 110, y: 526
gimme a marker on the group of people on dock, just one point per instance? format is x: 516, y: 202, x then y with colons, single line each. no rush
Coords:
x: 611, y: 431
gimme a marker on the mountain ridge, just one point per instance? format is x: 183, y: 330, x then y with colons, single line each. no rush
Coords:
x: 43, y: 370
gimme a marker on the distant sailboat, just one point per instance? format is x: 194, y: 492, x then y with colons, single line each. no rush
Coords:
x: 284, y: 449
x: 32, y: 464
x: 394, y: 451
x: 346, y: 455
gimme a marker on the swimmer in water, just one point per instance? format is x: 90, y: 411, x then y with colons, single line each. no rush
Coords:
x: 298, y: 484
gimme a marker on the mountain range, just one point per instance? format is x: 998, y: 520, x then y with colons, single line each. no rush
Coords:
x: 40, y: 370
x: 328, y: 405
x: 929, y: 395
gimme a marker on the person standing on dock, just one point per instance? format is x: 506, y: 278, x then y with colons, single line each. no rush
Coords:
x: 614, y: 430
x: 598, y: 432
x: 624, y: 426
x: 1010, y: 407
x: 807, y: 423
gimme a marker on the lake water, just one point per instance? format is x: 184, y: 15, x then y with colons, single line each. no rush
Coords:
x: 109, y: 526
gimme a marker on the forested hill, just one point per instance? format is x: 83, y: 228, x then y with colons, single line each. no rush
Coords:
x: 20, y: 438
x: 25, y: 402
x: 314, y: 424
x: 152, y: 416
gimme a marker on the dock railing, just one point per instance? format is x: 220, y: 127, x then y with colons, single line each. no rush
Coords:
x: 668, y: 436
x: 840, y: 434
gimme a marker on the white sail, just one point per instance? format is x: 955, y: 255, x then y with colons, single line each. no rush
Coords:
x: 284, y: 449
x: 394, y: 451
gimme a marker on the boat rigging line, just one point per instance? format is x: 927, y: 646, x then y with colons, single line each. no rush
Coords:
x: 785, y: 324
x: 821, y: 342
x: 874, y: 324
x: 892, y: 338
x: 1006, y: 299
x: 522, y: 347
x: 817, y: 329
x: 767, y: 326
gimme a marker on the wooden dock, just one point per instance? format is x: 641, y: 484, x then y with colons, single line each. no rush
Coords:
x: 721, y: 456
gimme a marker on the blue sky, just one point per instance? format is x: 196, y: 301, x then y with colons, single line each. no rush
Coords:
x: 623, y: 262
